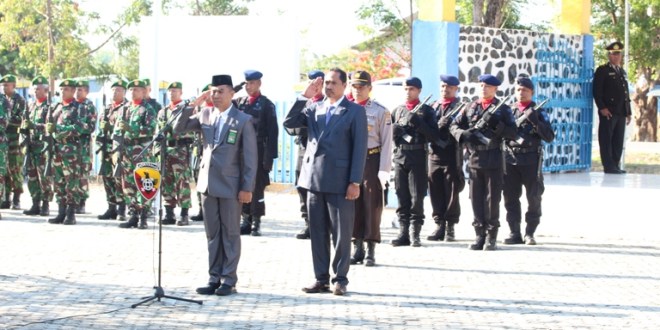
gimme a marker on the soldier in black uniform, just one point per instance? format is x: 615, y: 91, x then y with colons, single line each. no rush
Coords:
x: 610, y: 89
x: 301, y: 141
x: 446, y: 179
x: 197, y: 157
x: 482, y: 132
x: 265, y: 124
x: 411, y: 133
x: 524, y: 159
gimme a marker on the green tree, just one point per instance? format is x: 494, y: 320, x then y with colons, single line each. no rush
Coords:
x: 208, y: 7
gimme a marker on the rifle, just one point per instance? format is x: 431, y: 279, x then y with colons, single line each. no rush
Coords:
x: 119, y: 138
x: 50, y: 143
x: 520, y: 139
x: 27, y: 141
x: 443, y: 143
x: 481, y: 124
x: 407, y: 136
x: 105, y: 139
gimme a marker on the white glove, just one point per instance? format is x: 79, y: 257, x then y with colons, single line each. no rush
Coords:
x: 383, y: 177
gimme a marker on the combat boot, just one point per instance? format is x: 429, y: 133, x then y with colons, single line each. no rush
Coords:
x: 81, y: 208
x: 184, y: 217
x: 479, y: 240
x: 304, y: 234
x: 169, y: 219
x: 121, y: 211
x: 198, y: 217
x: 132, y: 221
x: 110, y: 213
x: 403, y: 239
x: 144, y: 213
x: 70, y: 215
x: 35, y: 209
x: 246, y: 224
x: 529, y: 234
x: 6, y: 203
x: 491, y: 240
x: 451, y: 235
x: 358, y: 252
x: 439, y: 232
x: 61, y: 214
x: 417, y: 228
x: 45, y: 208
x: 514, y: 236
x: 16, y: 202
x: 371, y: 254
x: 256, y: 226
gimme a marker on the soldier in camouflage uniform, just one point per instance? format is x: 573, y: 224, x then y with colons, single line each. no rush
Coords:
x: 3, y: 144
x: 14, y: 175
x: 137, y: 124
x: 33, y: 128
x: 176, y: 181
x: 67, y: 123
x: 113, y: 191
x: 265, y: 124
x: 88, y: 107
x: 197, y: 157
x: 147, y: 97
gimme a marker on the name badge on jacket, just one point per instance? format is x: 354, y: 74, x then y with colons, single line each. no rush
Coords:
x: 231, y: 137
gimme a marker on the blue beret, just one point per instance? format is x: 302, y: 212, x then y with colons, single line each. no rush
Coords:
x: 315, y: 74
x: 252, y: 75
x: 525, y: 82
x: 489, y: 79
x: 449, y: 80
x: 414, y: 81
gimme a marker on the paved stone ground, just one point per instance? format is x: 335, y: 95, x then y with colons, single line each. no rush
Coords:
x: 596, y: 266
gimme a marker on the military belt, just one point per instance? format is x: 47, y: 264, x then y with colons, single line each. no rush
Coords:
x: 412, y: 147
x: 373, y: 151
x: 137, y: 141
x: 12, y: 129
x: 180, y: 142
x: 521, y: 150
x: 484, y: 148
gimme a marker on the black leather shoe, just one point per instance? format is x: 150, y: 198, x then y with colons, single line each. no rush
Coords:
x: 317, y: 287
x: 225, y: 290
x: 340, y: 289
x: 613, y: 171
x: 208, y: 289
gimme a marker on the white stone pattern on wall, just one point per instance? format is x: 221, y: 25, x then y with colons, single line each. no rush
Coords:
x: 507, y: 53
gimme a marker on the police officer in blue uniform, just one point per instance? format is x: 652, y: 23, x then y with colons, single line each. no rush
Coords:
x: 524, y: 160
x: 481, y: 129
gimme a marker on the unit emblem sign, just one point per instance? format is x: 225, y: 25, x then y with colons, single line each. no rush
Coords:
x: 147, y: 179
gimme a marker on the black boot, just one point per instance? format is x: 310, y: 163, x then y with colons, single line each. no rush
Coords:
x: 491, y: 240
x: 6, y: 203
x: 144, y: 213
x: 45, y: 208
x: 256, y: 226
x: 110, y: 213
x: 417, y: 228
x: 358, y: 252
x: 371, y: 254
x: 132, y: 221
x: 246, y: 224
x: 121, y: 211
x: 529, y: 234
x: 198, y: 217
x: 70, y: 215
x: 404, y: 237
x: 304, y: 234
x: 169, y: 219
x: 35, y: 209
x: 514, y: 236
x: 184, y: 217
x: 81, y: 208
x: 61, y: 214
x: 451, y: 235
x: 439, y: 232
x: 16, y: 202
x: 479, y: 240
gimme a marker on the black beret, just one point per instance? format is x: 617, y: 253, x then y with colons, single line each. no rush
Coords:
x: 489, y: 79
x: 525, y: 82
x: 252, y: 75
x: 315, y: 74
x: 413, y: 81
x: 449, y: 80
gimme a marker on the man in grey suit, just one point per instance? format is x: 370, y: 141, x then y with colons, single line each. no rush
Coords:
x: 226, y: 178
x: 332, y: 170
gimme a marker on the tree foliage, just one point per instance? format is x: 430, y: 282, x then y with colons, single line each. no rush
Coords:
x: 380, y: 65
x: 208, y: 7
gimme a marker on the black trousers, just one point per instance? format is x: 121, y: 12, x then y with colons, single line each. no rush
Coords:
x: 369, y: 206
x: 302, y: 195
x: 411, y: 183
x: 257, y: 207
x: 445, y: 184
x: 611, y: 133
x: 485, y: 195
x: 515, y: 178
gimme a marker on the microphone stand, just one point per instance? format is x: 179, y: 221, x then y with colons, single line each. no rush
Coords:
x: 161, y: 137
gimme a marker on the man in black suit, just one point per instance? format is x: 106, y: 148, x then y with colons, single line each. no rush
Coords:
x: 611, y: 95
x: 332, y: 171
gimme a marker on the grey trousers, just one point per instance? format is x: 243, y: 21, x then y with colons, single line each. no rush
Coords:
x: 330, y: 215
x: 222, y: 224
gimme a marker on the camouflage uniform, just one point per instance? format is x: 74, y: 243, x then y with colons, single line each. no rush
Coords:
x: 141, y: 121
x: 89, y: 109
x: 112, y: 185
x: 3, y: 145
x: 39, y: 185
x: 15, y: 156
